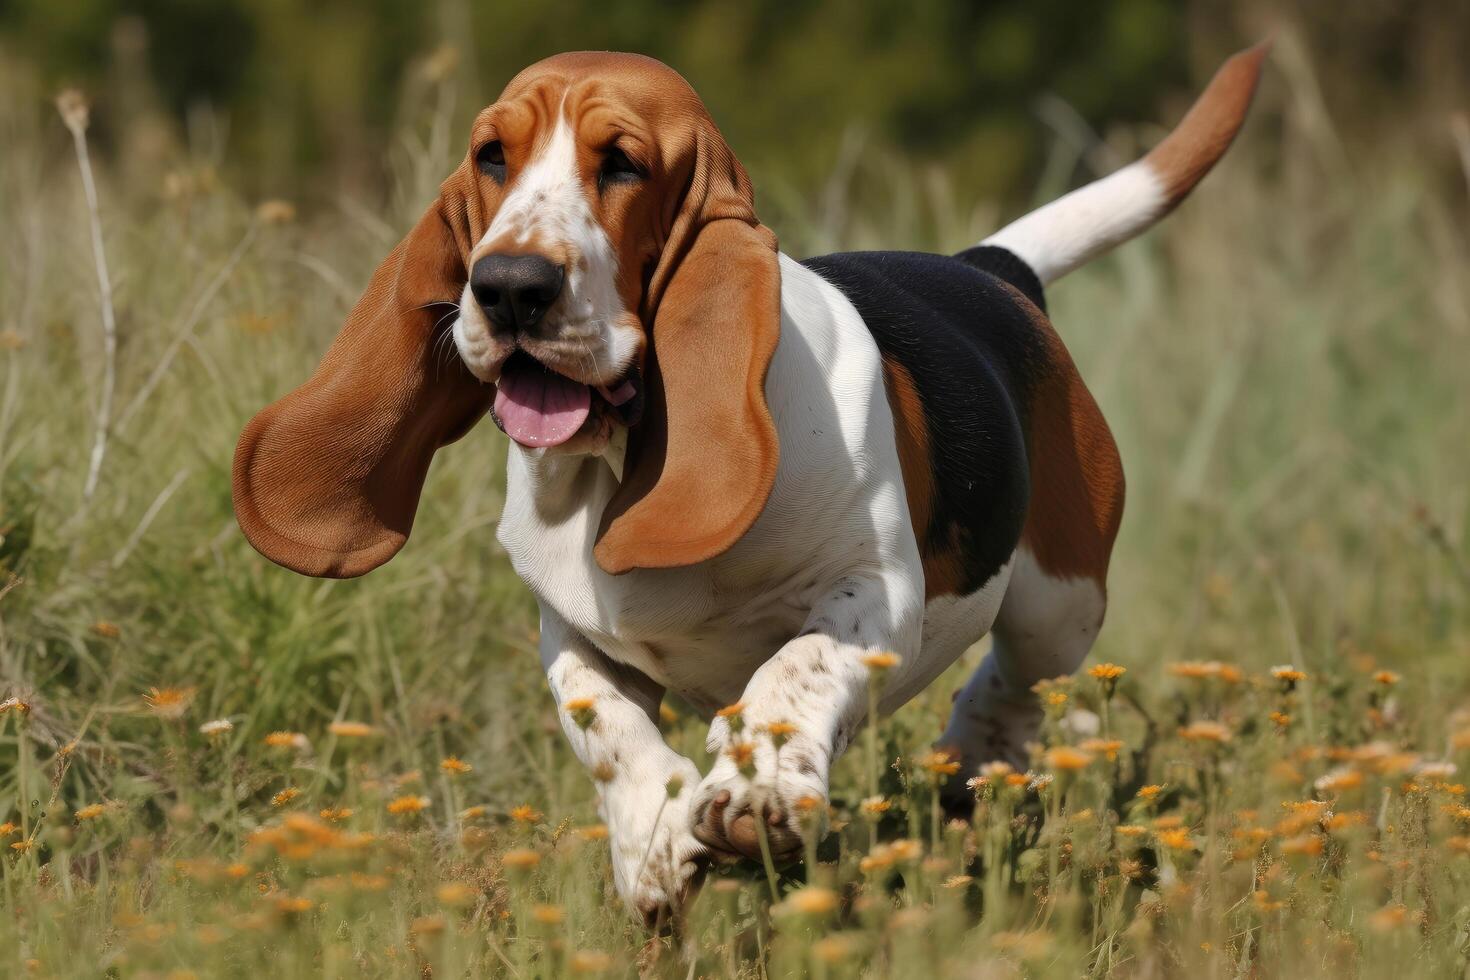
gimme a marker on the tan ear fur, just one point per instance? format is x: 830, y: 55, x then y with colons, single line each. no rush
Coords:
x: 327, y: 479
x: 701, y: 465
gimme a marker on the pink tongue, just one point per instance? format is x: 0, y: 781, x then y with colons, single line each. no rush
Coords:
x: 539, y: 407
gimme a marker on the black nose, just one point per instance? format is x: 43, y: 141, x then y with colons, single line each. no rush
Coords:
x: 515, y: 290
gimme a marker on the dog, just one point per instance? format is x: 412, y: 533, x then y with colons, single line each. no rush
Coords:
x: 732, y: 475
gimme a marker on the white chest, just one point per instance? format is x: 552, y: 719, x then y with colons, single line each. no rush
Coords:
x: 838, y: 503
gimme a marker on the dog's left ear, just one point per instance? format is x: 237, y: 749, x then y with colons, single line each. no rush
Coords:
x: 701, y: 464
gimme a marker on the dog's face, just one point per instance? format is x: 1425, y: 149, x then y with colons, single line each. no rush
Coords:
x: 601, y: 244
x: 584, y: 162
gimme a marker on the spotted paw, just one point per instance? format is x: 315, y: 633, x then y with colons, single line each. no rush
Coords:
x: 731, y: 814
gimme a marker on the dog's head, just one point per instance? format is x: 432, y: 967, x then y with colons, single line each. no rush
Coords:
x: 601, y: 244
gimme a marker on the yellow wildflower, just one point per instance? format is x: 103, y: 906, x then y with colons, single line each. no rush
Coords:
x: 939, y: 762
x: 107, y: 630
x: 879, y: 662
x: 472, y: 813
x: 1178, y: 839
x: 351, y: 729
x: 169, y: 702
x: 779, y: 731
x: 874, y: 806
x: 1205, y: 731
x: 1206, y: 670
x: 1150, y: 792
x: 456, y: 894
x: 285, y: 796
x: 403, y: 805
x: 548, y: 915
x: 288, y: 740
x: 1107, y: 671
x: 1309, y: 845
x: 589, y: 961
x: 1388, y: 918
x: 593, y: 832
x: 1108, y: 748
x: 1064, y: 758
x: 1264, y: 902
x: 520, y: 859
x: 1386, y: 677
x: 742, y: 754
x: 906, y: 849
x: 1339, y: 780
x: 525, y: 813
x: 91, y: 812
x: 808, y: 804
x: 1288, y: 675
x: 583, y: 711
x: 813, y: 900
x: 336, y: 814
x: 454, y: 766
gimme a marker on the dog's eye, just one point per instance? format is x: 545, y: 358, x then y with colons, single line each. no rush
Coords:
x: 617, y: 168
x: 490, y: 158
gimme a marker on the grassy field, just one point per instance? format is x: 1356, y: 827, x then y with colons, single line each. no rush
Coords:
x: 210, y: 766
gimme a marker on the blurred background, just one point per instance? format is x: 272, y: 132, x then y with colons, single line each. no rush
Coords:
x: 304, y: 100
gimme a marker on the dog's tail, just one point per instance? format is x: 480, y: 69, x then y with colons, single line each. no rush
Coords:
x: 1076, y: 228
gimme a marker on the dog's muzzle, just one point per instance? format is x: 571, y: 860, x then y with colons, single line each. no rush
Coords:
x: 538, y: 407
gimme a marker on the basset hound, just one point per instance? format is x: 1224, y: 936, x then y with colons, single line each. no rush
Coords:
x: 732, y: 474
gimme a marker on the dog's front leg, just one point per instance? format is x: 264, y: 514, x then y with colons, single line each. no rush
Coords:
x: 797, y: 714
x: 610, y: 712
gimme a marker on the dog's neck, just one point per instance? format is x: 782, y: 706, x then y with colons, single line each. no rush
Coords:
x: 558, y: 486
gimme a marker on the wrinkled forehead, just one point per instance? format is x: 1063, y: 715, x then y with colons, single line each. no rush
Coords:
x: 597, y: 89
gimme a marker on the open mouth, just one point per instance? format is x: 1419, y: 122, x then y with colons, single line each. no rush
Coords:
x: 537, y: 407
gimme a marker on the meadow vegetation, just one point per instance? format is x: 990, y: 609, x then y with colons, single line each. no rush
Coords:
x: 210, y: 766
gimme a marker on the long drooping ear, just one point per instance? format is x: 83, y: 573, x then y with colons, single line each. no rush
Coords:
x: 701, y: 465
x: 327, y: 479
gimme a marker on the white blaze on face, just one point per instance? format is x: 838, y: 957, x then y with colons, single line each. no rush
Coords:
x: 547, y: 212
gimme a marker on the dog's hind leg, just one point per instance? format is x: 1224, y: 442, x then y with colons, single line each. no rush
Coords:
x: 1054, y: 604
x: 1044, y: 629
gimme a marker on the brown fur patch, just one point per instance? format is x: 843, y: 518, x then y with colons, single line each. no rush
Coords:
x: 1077, y: 484
x: 943, y: 570
x: 1207, y: 129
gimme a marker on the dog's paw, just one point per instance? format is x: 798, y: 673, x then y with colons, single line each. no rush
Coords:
x: 731, y: 813
x: 658, y: 863
x: 662, y: 887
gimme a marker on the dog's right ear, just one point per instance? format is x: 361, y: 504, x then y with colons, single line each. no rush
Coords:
x: 327, y: 480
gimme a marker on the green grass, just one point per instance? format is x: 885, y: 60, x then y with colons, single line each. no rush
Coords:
x: 1283, y: 365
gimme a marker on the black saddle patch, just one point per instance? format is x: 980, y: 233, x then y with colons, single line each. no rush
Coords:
x: 973, y: 351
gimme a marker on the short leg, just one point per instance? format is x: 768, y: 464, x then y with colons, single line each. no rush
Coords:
x: 1045, y: 628
x: 609, y: 712
x: 818, y: 685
